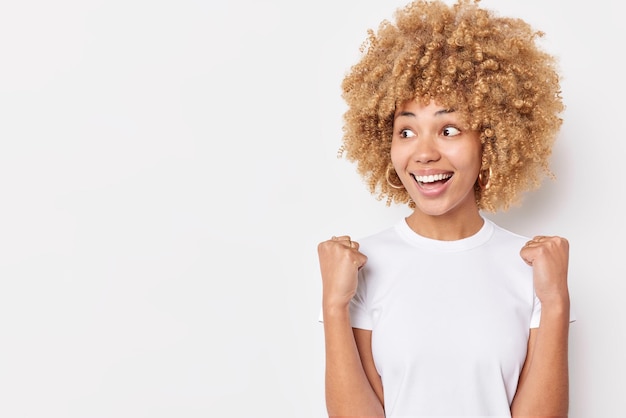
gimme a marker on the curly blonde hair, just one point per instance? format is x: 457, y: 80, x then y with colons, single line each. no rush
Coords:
x: 488, y: 68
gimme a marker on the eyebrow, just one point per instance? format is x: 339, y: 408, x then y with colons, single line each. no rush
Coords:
x: 437, y: 113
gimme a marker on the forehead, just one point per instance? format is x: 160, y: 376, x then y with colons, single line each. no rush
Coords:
x: 433, y: 110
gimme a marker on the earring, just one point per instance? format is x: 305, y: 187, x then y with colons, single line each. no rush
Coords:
x: 387, y: 174
x: 484, y: 177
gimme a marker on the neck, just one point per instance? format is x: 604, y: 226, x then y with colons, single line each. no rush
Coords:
x: 446, y: 227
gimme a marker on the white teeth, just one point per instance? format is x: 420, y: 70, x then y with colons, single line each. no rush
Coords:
x: 433, y: 177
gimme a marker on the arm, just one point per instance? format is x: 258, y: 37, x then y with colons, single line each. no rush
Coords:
x: 348, y: 390
x: 543, y: 388
x: 363, y: 340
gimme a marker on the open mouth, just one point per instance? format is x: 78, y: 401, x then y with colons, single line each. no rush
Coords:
x: 432, y: 179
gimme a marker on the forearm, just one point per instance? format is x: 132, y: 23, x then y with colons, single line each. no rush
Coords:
x: 543, y: 390
x: 348, y: 391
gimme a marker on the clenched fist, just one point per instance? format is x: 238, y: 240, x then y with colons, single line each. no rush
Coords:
x: 549, y: 257
x: 340, y: 261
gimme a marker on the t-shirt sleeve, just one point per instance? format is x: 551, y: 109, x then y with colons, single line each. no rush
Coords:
x: 536, y: 315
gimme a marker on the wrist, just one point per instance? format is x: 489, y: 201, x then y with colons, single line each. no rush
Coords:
x: 335, y: 308
x: 556, y: 302
x: 336, y: 299
x: 556, y: 309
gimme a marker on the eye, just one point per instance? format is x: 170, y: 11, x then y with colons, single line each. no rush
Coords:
x: 450, y: 131
x: 406, y: 133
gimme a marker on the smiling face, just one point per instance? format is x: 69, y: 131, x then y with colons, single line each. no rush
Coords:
x: 436, y: 159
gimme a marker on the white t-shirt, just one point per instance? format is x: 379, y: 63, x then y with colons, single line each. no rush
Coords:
x: 450, y: 320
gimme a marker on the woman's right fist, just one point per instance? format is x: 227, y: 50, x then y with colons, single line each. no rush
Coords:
x: 340, y: 261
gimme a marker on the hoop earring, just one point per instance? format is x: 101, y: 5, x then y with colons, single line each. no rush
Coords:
x: 387, y: 174
x: 482, y: 182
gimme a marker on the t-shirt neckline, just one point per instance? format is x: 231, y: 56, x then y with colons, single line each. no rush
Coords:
x: 473, y: 241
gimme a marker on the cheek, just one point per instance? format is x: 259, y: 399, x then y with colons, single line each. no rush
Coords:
x: 470, y: 158
x: 478, y: 159
x: 398, y: 149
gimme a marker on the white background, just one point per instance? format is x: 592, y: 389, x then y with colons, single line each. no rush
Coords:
x: 167, y: 169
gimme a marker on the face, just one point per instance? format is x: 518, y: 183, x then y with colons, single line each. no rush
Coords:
x: 437, y: 161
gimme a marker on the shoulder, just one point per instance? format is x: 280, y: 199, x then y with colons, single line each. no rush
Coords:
x: 503, y: 236
x: 381, y: 239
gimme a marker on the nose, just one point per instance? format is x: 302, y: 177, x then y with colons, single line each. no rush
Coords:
x: 425, y: 149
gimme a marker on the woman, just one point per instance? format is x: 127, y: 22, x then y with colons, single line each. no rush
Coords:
x: 452, y: 110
